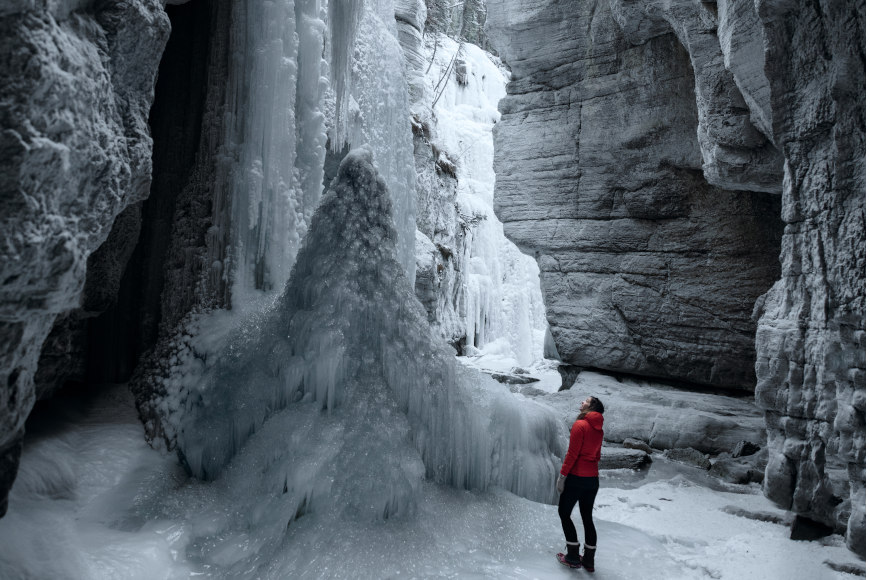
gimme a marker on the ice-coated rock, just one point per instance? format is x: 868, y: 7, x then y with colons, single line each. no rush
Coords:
x: 76, y: 91
x: 410, y: 20
x: 340, y: 398
x: 811, y: 339
x: 631, y: 443
x: 741, y: 470
x: 603, y: 147
x: 688, y: 456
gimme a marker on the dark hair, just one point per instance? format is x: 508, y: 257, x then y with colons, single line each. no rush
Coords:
x: 595, y: 404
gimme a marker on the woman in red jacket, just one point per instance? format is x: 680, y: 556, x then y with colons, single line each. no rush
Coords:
x: 578, y: 483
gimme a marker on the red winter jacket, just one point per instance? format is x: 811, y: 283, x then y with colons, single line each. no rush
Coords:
x: 584, y: 449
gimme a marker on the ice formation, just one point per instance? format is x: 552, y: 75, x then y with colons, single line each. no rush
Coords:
x: 500, y: 309
x: 285, y: 102
x: 301, y: 74
x: 342, y: 395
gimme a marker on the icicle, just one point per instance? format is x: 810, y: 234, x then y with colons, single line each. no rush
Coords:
x: 350, y: 337
x: 344, y: 17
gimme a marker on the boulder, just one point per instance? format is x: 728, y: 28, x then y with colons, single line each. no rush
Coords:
x: 632, y: 443
x: 738, y: 471
x: 744, y: 448
x: 620, y: 458
x: 688, y: 456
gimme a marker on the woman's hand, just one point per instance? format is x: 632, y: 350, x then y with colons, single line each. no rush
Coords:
x: 560, y: 483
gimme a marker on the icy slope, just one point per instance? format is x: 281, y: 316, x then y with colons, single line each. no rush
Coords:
x: 348, y: 349
x: 93, y: 502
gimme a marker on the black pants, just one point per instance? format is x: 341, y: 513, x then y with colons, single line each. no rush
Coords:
x: 580, y: 490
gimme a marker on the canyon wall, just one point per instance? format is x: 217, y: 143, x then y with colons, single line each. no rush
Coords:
x: 77, y: 88
x: 685, y: 173
x: 811, y: 338
x: 613, y: 157
x: 640, y: 159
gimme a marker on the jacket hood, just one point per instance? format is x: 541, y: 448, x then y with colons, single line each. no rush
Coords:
x: 595, y: 420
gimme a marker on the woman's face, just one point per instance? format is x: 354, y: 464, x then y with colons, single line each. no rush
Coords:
x: 585, y: 406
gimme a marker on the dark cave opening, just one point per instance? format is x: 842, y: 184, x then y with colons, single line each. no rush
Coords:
x: 118, y: 337
x: 121, y: 311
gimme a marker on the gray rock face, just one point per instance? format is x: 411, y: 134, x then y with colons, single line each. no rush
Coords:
x: 811, y: 331
x: 75, y: 149
x: 622, y: 458
x: 736, y: 154
x: 64, y: 355
x: 688, y: 456
x: 663, y: 417
x: 601, y: 157
x: 123, y: 303
x: 631, y: 136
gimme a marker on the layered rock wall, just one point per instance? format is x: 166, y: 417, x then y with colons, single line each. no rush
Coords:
x: 77, y: 86
x: 811, y: 338
x: 612, y: 157
x: 638, y: 148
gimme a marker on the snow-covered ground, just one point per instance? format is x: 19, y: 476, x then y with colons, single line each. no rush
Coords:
x: 83, y: 507
x: 495, y: 361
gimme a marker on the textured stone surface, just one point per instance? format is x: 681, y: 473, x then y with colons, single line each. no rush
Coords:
x: 622, y: 458
x: 74, y: 152
x: 637, y: 444
x: 64, y: 355
x: 601, y: 155
x: 158, y: 243
x: 688, y: 456
x: 736, y: 154
x: 648, y: 270
x: 741, y: 470
x: 811, y: 332
x: 662, y: 417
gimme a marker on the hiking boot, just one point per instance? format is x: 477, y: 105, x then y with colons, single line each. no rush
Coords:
x: 588, y: 559
x: 572, y: 558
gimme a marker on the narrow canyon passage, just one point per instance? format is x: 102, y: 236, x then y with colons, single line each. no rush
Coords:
x: 316, y: 289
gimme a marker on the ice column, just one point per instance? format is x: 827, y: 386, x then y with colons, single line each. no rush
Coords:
x: 349, y: 337
x: 379, y: 116
x: 264, y: 189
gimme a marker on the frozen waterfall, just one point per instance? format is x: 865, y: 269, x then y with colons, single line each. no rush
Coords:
x: 338, y: 400
x: 499, y: 308
x: 350, y: 338
x: 323, y: 389
x: 286, y: 101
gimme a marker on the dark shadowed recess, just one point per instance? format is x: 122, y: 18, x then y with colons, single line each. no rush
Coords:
x: 121, y: 305
x: 118, y: 337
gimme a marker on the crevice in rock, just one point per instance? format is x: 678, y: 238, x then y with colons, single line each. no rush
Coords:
x: 118, y: 337
x: 120, y: 312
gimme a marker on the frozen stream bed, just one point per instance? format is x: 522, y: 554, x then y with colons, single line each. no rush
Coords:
x: 79, y: 510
